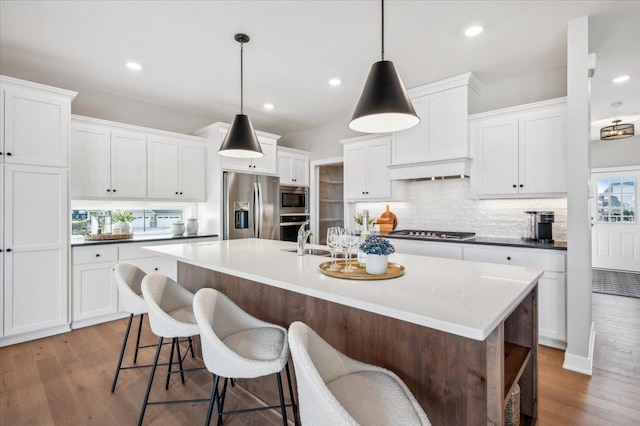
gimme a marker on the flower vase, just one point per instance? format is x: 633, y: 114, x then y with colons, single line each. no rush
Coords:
x: 122, y: 228
x: 376, y: 264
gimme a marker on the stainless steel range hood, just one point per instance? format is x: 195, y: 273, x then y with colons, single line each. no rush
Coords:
x: 431, y: 170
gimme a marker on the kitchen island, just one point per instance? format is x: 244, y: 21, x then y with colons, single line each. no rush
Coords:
x: 460, y: 334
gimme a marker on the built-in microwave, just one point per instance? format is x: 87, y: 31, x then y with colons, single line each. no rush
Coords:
x: 293, y: 199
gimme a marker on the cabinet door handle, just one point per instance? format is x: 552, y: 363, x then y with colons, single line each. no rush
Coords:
x: 0, y: 152
x: 521, y: 186
x: 108, y: 190
x: 114, y: 190
x: 176, y: 192
x: 97, y: 254
x: 9, y: 154
x: 181, y: 193
x: 508, y: 257
x: 155, y: 269
x: 515, y: 186
x: 8, y: 250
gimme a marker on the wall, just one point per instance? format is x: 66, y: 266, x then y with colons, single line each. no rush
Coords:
x: 445, y: 205
x: 624, y: 152
x: 321, y: 142
x: 540, y: 86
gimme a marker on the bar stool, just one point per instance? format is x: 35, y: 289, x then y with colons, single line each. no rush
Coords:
x: 335, y: 389
x: 171, y: 316
x: 129, y: 280
x: 237, y: 345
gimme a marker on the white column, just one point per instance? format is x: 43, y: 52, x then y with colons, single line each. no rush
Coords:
x: 580, y: 334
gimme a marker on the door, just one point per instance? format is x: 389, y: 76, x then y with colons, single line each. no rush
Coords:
x: 378, y: 158
x: 285, y: 168
x: 268, y: 162
x: 191, y: 171
x: 36, y: 128
x: 240, y: 197
x: 128, y: 165
x: 543, y: 151
x: 162, y: 173
x: 94, y: 291
x: 90, y: 162
x: 300, y: 168
x: 496, y: 155
x: 268, y: 208
x: 36, y: 248
x: 355, y: 171
x: 616, y: 232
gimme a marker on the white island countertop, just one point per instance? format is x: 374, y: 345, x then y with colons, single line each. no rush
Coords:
x: 465, y: 298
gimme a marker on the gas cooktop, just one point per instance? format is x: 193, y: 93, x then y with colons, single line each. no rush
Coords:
x: 430, y: 235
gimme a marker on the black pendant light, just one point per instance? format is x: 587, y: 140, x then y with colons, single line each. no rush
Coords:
x: 384, y: 105
x: 241, y: 140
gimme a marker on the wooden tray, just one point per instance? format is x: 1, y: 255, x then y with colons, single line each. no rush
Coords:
x: 99, y: 237
x: 394, y: 270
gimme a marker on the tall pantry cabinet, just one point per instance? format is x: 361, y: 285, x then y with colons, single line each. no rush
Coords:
x: 34, y: 200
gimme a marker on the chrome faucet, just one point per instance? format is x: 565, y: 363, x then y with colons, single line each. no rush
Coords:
x: 303, y: 235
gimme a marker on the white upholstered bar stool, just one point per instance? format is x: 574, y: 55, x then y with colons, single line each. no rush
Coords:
x: 170, y: 309
x: 334, y: 389
x: 129, y: 283
x: 238, y: 345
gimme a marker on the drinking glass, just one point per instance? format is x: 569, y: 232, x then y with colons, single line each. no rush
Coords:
x: 333, y: 241
x: 348, y: 240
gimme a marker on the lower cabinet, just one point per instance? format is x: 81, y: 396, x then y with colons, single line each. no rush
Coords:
x: 552, y: 287
x: 94, y: 294
x: 427, y: 248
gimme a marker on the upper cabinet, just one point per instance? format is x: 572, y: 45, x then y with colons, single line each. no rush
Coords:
x: 520, y: 152
x: 366, y: 176
x: 175, y: 169
x: 118, y: 161
x: 267, y: 164
x: 35, y: 123
x: 439, y: 144
x: 293, y: 167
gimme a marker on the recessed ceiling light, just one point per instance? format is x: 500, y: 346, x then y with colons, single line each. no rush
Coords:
x: 335, y: 82
x: 473, y: 31
x: 621, y: 79
x: 268, y: 106
x: 134, y: 66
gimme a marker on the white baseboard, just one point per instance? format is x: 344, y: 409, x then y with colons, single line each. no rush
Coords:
x: 579, y: 363
x: 20, y: 338
x: 554, y: 343
x: 98, y: 320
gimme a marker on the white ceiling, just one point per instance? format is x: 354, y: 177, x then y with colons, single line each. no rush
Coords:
x: 191, y: 62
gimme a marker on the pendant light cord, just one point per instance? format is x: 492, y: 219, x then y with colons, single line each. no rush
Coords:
x: 241, y: 79
x: 382, y: 2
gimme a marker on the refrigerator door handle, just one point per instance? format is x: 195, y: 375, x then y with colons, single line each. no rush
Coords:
x: 260, y: 211
x: 256, y: 210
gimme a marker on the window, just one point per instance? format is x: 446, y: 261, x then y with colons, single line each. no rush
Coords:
x: 617, y: 200
x: 145, y: 220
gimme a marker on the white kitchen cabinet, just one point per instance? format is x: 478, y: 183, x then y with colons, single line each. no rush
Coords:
x: 35, y: 123
x: 94, y: 292
x: 107, y: 163
x: 35, y: 252
x: 520, y: 152
x: 176, y: 169
x: 366, y: 176
x: 439, y: 144
x: 551, y: 286
x: 293, y: 167
x: 267, y: 164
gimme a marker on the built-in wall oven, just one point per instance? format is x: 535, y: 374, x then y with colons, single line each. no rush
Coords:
x: 294, y: 211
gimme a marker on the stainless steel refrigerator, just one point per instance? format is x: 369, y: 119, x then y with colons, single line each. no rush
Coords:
x: 251, y: 206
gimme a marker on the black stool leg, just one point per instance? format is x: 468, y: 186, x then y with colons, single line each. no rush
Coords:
x: 294, y: 406
x: 180, y: 359
x: 193, y: 355
x: 281, y: 394
x: 221, y: 401
x: 173, y: 345
x: 214, y: 398
x: 124, y: 346
x: 153, y: 372
x: 135, y: 355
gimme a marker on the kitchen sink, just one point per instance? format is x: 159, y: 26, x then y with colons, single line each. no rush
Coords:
x: 312, y: 251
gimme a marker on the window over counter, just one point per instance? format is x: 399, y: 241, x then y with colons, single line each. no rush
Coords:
x: 617, y: 200
x: 145, y: 219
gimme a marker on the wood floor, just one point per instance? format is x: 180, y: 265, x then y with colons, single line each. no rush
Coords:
x: 66, y: 380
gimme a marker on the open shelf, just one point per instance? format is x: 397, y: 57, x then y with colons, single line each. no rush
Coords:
x: 331, y: 219
x: 329, y: 200
x: 334, y: 181
x: 516, y: 358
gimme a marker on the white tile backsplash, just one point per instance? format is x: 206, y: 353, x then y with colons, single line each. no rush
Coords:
x: 445, y: 205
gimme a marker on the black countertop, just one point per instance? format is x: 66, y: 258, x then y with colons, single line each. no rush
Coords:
x: 491, y: 241
x: 78, y: 242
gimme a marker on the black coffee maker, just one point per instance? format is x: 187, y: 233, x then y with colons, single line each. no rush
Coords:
x: 539, y: 228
